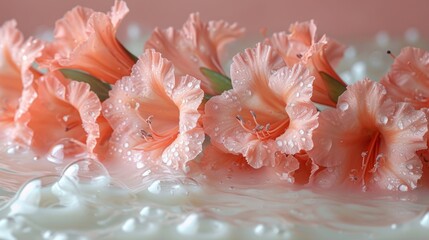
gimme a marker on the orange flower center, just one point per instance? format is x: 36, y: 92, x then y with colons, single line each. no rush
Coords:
x: 372, y: 160
x: 69, y: 121
x: 263, y: 132
x: 153, y: 139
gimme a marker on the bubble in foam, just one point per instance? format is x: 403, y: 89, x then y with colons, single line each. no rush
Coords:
x: 66, y: 150
x: 87, y: 171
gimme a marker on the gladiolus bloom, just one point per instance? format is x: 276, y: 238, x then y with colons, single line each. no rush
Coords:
x: 407, y: 81
x: 63, y: 117
x: 154, y: 114
x: 196, y: 45
x: 370, y: 141
x: 318, y: 54
x: 267, y: 112
x: 86, y: 40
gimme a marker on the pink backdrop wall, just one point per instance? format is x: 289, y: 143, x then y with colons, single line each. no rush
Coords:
x: 340, y: 19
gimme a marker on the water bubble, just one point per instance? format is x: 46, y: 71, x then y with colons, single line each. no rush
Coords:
x: 263, y: 230
x: 67, y: 149
x: 87, y: 171
x: 129, y: 225
x: 33, y: 196
x: 152, y: 213
x: 201, y: 228
x: 412, y: 35
x: 155, y: 187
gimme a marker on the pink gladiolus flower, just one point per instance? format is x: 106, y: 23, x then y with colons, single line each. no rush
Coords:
x: 407, y: 81
x: 267, y: 112
x: 63, y: 117
x: 408, y: 77
x: 196, y: 45
x: 318, y: 54
x: 370, y: 141
x: 86, y: 40
x: 154, y: 114
x: 16, y: 79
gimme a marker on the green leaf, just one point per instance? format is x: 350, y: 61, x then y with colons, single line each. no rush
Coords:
x: 220, y: 82
x: 335, y: 88
x: 97, y: 86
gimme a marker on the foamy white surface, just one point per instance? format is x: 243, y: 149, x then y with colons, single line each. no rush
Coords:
x: 85, y: 202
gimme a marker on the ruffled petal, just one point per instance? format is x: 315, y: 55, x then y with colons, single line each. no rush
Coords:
x: 16, y: 79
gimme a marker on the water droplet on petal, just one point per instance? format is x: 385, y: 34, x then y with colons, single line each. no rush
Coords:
x: 403, y: 188
x: 384, y: 120
x: 344, y: 106
x: 400, y: 125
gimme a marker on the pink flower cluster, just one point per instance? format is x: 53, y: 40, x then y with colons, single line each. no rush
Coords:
x: 175, y: 106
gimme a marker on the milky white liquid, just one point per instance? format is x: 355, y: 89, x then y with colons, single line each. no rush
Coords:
x: 84, y: 202
x: 80, y: 199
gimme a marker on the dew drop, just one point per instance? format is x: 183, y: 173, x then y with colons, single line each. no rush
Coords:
x: 403, y: 188
x: 344, y: 106
x: 384, y: 120
x: 400, y: 125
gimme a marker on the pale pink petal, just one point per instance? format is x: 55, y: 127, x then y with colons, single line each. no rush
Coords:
x: 118, y: 12
x: 316, y: 60
x: 219, y: 167
x: 303, y: 32
x: 251, y: 70
x: 297, y: 168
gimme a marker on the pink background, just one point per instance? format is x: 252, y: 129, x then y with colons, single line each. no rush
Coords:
x: 340, y: 19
